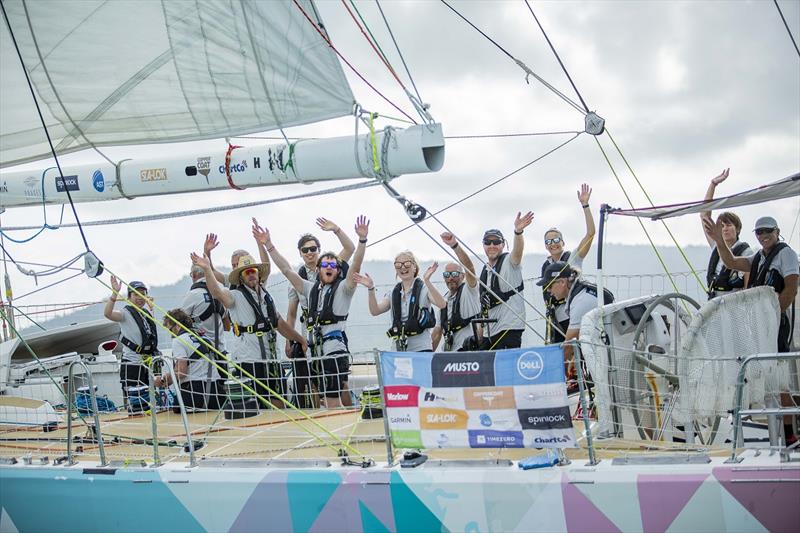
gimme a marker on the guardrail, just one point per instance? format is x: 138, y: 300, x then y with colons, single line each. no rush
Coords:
x: 167, y: 363
x: 71, y: 404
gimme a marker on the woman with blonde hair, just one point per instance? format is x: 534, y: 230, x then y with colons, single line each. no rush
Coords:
x: 410, y: 302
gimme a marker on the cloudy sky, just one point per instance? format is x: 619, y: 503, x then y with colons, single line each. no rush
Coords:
x: 686, y: 88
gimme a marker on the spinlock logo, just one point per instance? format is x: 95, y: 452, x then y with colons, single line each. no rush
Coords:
x: 552, y: 440
x: 98, y: 181
x: 462, y: 367
x: 235, y: 167
x: 549, y: 419
x: 555, y: 418
x: 69, y: 183
x: 530, y: 365
x: 397, y: 397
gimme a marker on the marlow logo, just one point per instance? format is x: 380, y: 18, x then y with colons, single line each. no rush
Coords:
x: 530, y: 365
x: 462, y: 367
x: 441, y: 418
x: 397, y: 396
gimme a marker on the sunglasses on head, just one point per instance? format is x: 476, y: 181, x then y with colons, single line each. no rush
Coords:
x: 248, y: 271
x: 309, y: 249
x: 554, y: 240
x: 328, y: 264
x: 762, y: 231
x: 492, y: 242
x: 447, y: 275
x: 403, y: 264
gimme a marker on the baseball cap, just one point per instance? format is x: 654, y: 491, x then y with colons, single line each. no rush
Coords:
x: 138, y: 285
x: 766, y: 223
x: 493, y: 233
x: 555, y: 270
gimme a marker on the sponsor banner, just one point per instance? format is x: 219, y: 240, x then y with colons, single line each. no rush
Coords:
x: 554, y: 418
x: 402, y: 417
x: 500, y: 420
x: 530, y: 366
x: 442, y: 397
x: 479, y: 438
x: 468, y: 369
x: 400, y: 395
x: 153, y: 174
x: 482, y: 398
x: 70, y: 183
x: 442, y: 418
x: 540, y: 396
x: 406, y: 368
x: 557, y: 438
x: 406, y: 438
x: 445, y: 439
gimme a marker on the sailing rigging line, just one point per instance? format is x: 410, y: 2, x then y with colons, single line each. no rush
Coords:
x: 51, y: 285
x: 564, y: 68
x: 206, y: 210
x: 475, y: 193
x: 346, y: 62
x: 446, y: 137
x: 787, y: 27
x: 44, y: 124
x: 520, y: 64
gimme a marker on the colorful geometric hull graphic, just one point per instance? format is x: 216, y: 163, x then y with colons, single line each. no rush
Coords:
x: 712, y: 497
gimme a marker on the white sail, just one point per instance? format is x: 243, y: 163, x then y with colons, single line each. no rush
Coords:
x: 133, y: 72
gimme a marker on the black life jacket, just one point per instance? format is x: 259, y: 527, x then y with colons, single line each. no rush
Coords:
x: 303, y: 273
x: 762, y: 274
x: 554, y: 330
x: 549, y: 299
x: 419, y: 318
x: 214, y: 306
x: 263, y: 323
x: 488, y: 299
x: 148, y: 331
x: 580, y: 285
x: 324, y: 316
x: 722, y: 282
x: 200, y: 348
x: 456, y: 322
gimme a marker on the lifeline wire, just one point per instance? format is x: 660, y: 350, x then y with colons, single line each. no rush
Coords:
x: 787, y: 27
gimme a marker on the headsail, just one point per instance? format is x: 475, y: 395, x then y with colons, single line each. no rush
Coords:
x: 132, y: 72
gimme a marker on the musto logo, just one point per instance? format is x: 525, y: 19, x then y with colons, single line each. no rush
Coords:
x: 451, y: 370
x: 441, y: 418
x: 462, y: 367
x: 530, y: 365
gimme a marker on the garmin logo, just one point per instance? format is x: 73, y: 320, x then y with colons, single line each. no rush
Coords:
x: 530, y: 365
x: 397, y: 396
x: 462, y: 367
x: 406, y: 419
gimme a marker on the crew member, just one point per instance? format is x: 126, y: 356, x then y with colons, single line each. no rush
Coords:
x: 502, y: 300
x: 206, y: 312
x: 463, y: 302
x: 555, y: 310
x: 719, y: 278
x: 410, y: 302
x: 255, y: 322
x: 328, y: 300
x: 138, y: 333
x: 212, y: 242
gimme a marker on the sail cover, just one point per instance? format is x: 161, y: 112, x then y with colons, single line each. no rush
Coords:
x: 786, y: 188
x: 133, y: 72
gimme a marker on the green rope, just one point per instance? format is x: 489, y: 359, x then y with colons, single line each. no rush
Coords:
x: 376, y: 166
x: 674, y: 240
x: 374, y: 40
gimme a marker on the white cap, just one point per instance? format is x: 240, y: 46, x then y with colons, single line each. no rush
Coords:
x: 766, y: 223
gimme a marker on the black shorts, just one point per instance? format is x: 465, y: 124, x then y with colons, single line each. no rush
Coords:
x: 331, y: 373
x: 132, y: 375
x: 303, y: 379
x: 199, y: 395
x: 509, y: 338
x: 268, y: 374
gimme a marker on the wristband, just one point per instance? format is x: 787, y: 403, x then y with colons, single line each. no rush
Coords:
x: 585, y: 206
x: 270, y: 248
x: 517, y: 232
x: 362, y: 241
x: 371, y: 289
x: 454, y: 246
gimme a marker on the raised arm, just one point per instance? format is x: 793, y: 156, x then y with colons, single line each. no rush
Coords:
x: 583, y: 197
x: 714, y: 232
x: 291, y: 318
x: 521, y: 222
x: 362, y: 230
x: 209, y: 244
x: 347, y: 245
x: 264, y: 240
x: 219, y: 292
x: 375, y: 307
x: 262, y: 248
x: 435, y: 296
x: 712, y: 186
x: 469, y: 268
x: 109, y: 312
x: 291, y: 334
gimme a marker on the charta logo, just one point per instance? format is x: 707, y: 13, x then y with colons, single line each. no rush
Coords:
x: 530, y: 365
x: 153, y: 174
x: 98, y: 181
x: 235, y: 167
x: 486, y: 420
x: 552, y: 440
x: 204, y: 166
x: 462, y: 367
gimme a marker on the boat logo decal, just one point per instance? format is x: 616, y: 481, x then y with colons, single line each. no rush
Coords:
x: 153, y: 174
x: 98, y: 181
x: 204, y: 166
x: 235, y: 167
x: 70, y: 183
x: 530, y: 365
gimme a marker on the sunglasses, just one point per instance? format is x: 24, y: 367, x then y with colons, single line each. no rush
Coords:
x: 492, y: 242
x: 762, y: 231
x: 447, y: 275
x: 328, y: 264
x: 309, y: 249
x: 404, y: 264
x: 248, y: 271
x: 554, y: 240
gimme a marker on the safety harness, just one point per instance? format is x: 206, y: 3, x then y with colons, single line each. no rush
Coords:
x: 762, y: 274
x: 489, y: 300
x: 214, y: 308
x: 263, y: 324
x: 323, y: 315
x: 452, y: 324
x: 147, y: 330
x: 726, y: 280
x: 419, y: 318
x: 554, y: 335
x: 591, y: 289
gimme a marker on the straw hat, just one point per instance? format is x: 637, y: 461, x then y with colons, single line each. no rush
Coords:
x: 245, y: 262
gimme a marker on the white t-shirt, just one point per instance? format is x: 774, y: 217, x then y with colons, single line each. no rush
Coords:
x: 785, y: 263
x: 129, y: 330
x: 199, y: 367
x: 341, y: 306
x: 195, y: 304
x: 301, y: 298
x: 574, y: 260
x: 469, y: 305
x: 246, y: 347
x: 510, y: 279
x: 423, y: 341
x: 581, y: 303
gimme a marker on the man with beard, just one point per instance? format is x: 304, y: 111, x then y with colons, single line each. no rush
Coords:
x: 463, y: 301
x: 328, y: 302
